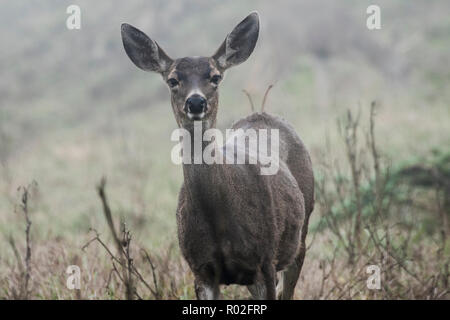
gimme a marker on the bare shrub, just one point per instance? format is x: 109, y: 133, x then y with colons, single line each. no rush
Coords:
x: 161, y: 269
x: 370, y: 218
x: 22, y: 290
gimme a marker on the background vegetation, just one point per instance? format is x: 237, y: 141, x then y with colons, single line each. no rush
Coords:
x: 73, y: 109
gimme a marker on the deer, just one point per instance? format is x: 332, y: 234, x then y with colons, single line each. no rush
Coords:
x: 235, y: 225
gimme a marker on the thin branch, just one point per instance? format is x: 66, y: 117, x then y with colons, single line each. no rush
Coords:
x: 265, y: 97
x: 107, y: 212
x: 252, y: 106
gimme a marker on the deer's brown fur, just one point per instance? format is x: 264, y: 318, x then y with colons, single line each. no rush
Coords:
x: 234, y: 224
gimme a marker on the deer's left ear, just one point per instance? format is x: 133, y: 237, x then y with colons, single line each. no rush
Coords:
x: 143, y: 51
x: 239, y: 44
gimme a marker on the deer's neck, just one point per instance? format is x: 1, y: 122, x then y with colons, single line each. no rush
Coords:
x: 202, y: 182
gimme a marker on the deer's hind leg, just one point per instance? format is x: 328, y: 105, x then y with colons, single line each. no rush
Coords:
x: 290, y: 276
x: 292, y: 272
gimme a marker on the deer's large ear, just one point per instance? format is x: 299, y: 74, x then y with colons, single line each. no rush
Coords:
x: 239, y: 44
x: 143, y: 51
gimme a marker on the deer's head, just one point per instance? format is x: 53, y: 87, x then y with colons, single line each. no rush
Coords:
x: 193, y: 81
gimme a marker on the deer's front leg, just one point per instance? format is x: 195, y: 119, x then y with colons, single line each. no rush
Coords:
x: 258, y: 290
x: 206, y: 291
x: 269, y: 276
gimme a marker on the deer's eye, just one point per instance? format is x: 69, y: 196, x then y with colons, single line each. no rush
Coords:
x: 172, y: 82
x: 215, y: 79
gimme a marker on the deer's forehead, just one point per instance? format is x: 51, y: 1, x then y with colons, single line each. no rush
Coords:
x: 198, y: 67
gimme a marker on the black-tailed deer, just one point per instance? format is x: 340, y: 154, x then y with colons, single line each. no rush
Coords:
x: 234, y: 224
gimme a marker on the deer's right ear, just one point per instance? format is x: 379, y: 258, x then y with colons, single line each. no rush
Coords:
x: 143, y: 51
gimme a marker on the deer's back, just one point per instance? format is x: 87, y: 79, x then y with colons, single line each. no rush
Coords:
x: 292, y: 151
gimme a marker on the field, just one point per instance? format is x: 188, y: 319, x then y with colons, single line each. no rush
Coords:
x: 371, y: 106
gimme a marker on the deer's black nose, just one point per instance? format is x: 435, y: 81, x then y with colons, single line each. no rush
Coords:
x: 195, y: 104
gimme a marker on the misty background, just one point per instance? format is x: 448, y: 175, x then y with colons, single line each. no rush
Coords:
x: 73, y: 107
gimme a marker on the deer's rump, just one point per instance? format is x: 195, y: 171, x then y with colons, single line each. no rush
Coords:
x: 236, y: 220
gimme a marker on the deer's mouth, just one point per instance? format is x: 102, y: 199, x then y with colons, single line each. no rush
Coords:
x: 196, y: 116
